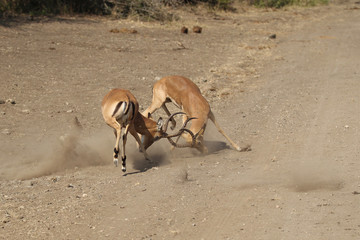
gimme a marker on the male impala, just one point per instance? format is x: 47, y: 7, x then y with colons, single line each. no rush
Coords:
x: 185, y: 95
x: 120, y: 110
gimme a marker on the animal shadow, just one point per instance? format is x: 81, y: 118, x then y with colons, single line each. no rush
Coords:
x: 215, y: 146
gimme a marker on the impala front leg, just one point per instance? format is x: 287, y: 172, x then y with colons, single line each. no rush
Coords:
x: 141, y: 145
x: 173, y: 122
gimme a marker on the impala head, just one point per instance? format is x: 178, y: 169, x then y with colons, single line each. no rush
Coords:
x: 158, y: 130
x: 154, y: 133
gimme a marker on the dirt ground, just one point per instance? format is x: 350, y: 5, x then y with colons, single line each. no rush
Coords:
x: 294, y: 98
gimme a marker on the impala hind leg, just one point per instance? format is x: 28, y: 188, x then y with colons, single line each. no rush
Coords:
x: 117, y: 132
x: 212, y: 118
x: 123, y: 154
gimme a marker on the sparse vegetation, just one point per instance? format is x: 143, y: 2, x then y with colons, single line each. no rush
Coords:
x: 283, y: 3
x: 143, y: 9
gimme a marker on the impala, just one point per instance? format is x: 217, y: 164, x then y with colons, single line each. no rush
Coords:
x: 120, y: 111
x: 187, y: 96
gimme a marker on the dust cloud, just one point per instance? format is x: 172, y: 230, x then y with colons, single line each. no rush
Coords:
x: 59, y: 154
x: 159, y: 154
x: 311, y: 176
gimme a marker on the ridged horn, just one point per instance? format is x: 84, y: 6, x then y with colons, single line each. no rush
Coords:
x: 167, y: 121
x: 192, y: 144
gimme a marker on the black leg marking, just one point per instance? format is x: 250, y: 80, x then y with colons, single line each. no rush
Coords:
x: 116, y: 153
x: 124, y: 163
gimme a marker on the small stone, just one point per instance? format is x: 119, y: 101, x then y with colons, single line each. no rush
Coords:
x: 2, y: 101
x: 272, y: 36
x: 6, y: 131
x: 197, y: 29
x: 26, y: 111
x: 2, y: 113
x: 70, y: 186
x: 12, y: 101
x: 70, y: 111
x: 184, y: 30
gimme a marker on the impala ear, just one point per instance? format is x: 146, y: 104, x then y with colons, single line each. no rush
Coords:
x: 160, y: 124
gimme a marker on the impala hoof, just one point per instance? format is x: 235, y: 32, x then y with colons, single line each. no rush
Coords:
x: 116, y: 162
x: 247, y: 148
x: 123, y: 169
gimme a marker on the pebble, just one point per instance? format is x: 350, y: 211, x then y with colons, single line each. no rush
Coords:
x: 272, y: 36
x: 26, y: 111
x: 6, y: 131
x: 12, y: 101
x: 2, y: 101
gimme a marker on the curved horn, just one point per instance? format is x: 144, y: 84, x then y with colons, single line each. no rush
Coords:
x: 182, y: 129
x: 167, y: 120
x: 192, y: 144
x: 186, y: 122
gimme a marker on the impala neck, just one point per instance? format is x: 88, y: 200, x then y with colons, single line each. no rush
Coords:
x: 144, y: 125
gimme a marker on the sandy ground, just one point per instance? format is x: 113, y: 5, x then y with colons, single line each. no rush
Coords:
x: 294, y: 98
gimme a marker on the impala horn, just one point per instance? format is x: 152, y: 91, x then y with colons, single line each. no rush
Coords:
x: 181, y: 130
x: 165, y: 126
x: 192, y: 144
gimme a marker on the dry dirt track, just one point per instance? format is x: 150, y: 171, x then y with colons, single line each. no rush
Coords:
x: 295, y: 99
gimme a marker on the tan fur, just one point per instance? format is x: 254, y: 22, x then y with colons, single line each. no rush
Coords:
x: 132, y: 122
x: 187, y: 96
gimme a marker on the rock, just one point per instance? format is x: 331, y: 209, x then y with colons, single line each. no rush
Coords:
x: 224, y: 92
x: 2, y: 101
x: 272, y: 36
x: 26, y: 111
x: 124, y: 30
x: 6, y: 131
x: 184, y: 30
x: 197, y: 29
x: 12, y: 101
x: 2, y: 113
x: 114, y: 30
